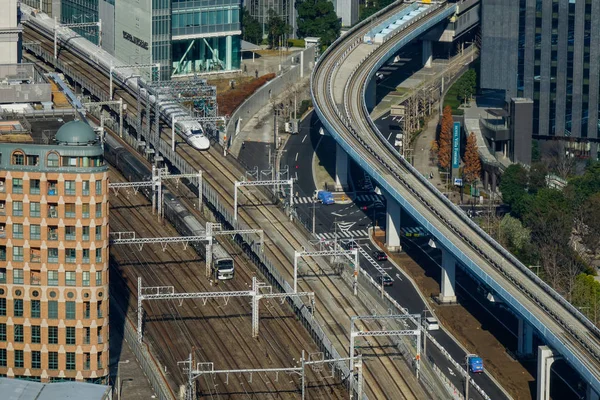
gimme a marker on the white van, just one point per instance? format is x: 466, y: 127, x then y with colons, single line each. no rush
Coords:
x: 431, y: 324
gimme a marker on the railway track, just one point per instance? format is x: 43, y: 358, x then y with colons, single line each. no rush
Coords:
x: 226, y: 335
x: 384, y: 378
x: 352, y: 121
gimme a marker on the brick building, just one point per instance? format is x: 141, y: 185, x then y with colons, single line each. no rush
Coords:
x: 53, y: 253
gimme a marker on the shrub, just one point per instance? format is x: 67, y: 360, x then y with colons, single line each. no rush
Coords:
x: 232, y: 99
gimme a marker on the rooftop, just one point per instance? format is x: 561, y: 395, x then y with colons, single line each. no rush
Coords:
x: 33, y: 130
x: 17, y: 389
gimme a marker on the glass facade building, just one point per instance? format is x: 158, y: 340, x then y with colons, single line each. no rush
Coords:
x: 547, y: 51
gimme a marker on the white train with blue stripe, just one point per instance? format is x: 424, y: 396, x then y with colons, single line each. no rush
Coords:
x: 191, y: 131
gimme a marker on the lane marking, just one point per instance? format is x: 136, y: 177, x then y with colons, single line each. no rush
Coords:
x: 296, y: 157
x: 304, y: 138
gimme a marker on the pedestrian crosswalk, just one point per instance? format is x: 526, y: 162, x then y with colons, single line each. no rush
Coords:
x: 372, y: 197
x: 359, y: 233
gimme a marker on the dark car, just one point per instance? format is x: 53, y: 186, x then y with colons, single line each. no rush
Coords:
x: 349, y: 245
x: 380, y: 256
x: 386, y: 279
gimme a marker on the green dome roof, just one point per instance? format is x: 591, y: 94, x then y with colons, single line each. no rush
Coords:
x: 75, y: 133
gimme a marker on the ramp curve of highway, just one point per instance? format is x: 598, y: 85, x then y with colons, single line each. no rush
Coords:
x: 338, y: 86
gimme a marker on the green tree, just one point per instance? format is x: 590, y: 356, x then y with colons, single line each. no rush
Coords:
x: 537, y: 177
x: 318, y: 18
x: 514, y: 184
x: 276, y: 28
x: 251, y: 29
x: 590, y: 216
x: 466, y: 85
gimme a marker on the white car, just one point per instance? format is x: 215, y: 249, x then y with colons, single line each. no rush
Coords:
x: 432, y: 324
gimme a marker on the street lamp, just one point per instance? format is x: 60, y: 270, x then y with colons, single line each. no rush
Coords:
x: 467, y: 376
x: 425, y: 311
x: 119, y: 377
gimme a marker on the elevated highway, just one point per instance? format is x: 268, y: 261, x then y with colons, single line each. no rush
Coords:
x: 341, y: 85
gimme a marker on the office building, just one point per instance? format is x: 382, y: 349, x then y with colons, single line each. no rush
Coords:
x: 10, y: 33
x: 53, y: 252
x: 547, y: 51
x: 347, y: 10
x: 286, y: 9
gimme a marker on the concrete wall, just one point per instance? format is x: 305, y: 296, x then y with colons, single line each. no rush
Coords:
x: 106, y: 12
x: 274, y: 88
x: 133, y: 31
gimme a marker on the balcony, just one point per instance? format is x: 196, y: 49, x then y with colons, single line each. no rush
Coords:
x: 2, y: 186
x: 53, y: 211
x: 35, y: 256
x: 52, y: 188
x: 2, y: 231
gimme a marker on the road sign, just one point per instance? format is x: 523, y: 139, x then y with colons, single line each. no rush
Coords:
x: 458, y: 182
x: 456, y: 145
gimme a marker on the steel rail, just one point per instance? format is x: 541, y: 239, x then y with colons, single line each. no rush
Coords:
x: 354, y: 118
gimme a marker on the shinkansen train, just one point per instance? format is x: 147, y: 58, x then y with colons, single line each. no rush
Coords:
x: 185, y: 223
x: 191, y: 131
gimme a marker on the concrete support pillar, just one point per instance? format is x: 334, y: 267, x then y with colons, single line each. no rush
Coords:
x: 392, y: 228
x: 486, y: 179
x: 448, y: 281
x: 525, y: 338
x: 229, y: 50
x: 590, y: 393
x: 371, y: 94
x: 427, y: 54
x: 341, y: 168
x: 494, y: 181
x: 545, y: 360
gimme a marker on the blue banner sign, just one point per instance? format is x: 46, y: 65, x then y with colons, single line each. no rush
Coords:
x: 456, y: 145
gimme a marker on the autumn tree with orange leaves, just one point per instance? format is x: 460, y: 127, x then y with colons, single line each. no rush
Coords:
x: 472, y: 168
x: 445, y: 140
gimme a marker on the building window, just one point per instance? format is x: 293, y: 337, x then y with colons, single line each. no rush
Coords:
x: 18, y: 158
x: 33, y: 160
x: 70, y: 335
x: 17, y: 254
x: 18, y: 231
x: 85, y: 210
x: 18, y: 275
x: 70, y: 256
x: 85, y: 233
x: 52, y: 278
x: 35, y: 308
x: 18, y: 308
x: 19, y: 333
x: 98, y: 255
x: 86, y: 310
x: 85, y: 281
x: 86, y: 335
x: 98, y: 278
x: 36, y: 336
x: 99, y: 233
x: 34, y: 209
x: 36, y: 360
x: 98, y: 188
x: 53, y: 233
x: 3, y: 306
x: 86, y: 361
x: 85, y: 256
x: 98, y: 210
x: 19, y: 359
x: 70, y: 233
x: 2, y: 332
x: 17, y: 208
x: 35, y: 232
x: 69, y: 161
x: 3, y: 271
x: 53, y: 309
x: 99, y: 309
x: 52, y: 160
x: 2, y: 357
x: 70, y: 310
x: 53, y: 334
x: 52, y: 188
x: 99, y: 360
x: 70, y: 188
x: 70, y: 361
x: 70, y: 278
x: 34, y: 186
x: 86, y: 188
x: 100, y: 339
x: 17, y: 186
x: 70, y: 210
x: 52, y: 360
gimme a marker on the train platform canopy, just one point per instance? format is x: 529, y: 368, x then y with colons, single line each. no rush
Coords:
x: 18, y: 389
